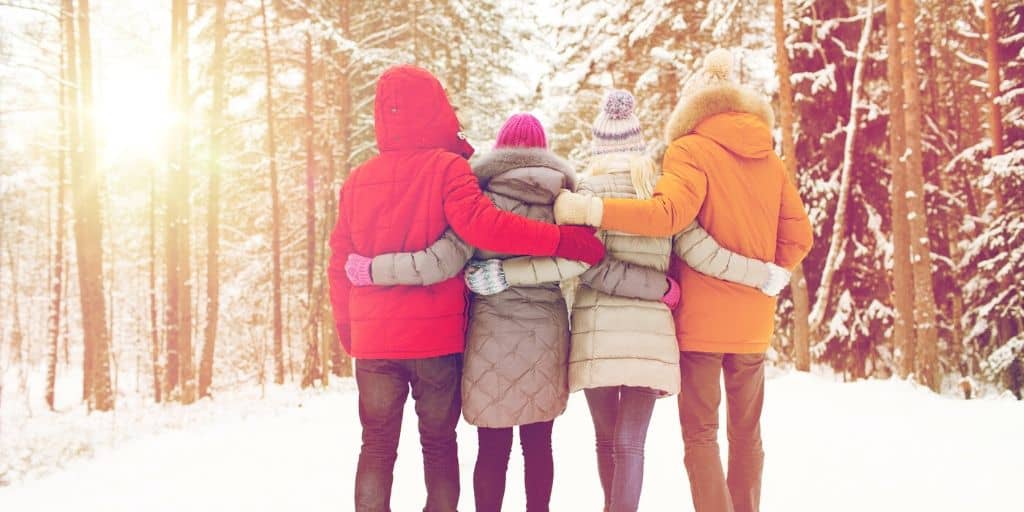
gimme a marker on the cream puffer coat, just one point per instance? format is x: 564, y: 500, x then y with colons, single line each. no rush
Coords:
x: 622, y: 334
x: 616, y: 339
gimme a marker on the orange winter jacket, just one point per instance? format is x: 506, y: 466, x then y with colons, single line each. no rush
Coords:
x: 724, y: 173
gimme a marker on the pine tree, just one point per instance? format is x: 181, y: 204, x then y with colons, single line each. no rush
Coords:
x: 89, y: 231
x: 798, y: 287
x: 275, y: 203
x: 57, y: 280
x: 839, y: 239
x: 213, y: 208
x: 903, y: 285
x: 179, y: 289
x: 311, y: 366
x: 920, y: 254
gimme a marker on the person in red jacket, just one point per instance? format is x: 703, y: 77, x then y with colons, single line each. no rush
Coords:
x: 412, y: 336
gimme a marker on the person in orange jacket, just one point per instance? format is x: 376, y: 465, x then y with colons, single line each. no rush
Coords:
x: 719, y: 168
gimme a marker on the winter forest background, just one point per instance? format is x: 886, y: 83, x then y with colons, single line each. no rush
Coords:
x: 169, y: 173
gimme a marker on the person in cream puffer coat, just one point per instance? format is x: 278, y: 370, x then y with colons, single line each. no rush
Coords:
x: 720, y: 169
x: 624, y: 352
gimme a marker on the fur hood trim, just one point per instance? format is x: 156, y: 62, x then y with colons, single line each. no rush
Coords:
x: 710, y: 101
x: 502, y: 160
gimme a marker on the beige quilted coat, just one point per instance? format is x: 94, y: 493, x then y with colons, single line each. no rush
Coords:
x: 622, y: 334
x: 621, y: 340
x: 517, y: 342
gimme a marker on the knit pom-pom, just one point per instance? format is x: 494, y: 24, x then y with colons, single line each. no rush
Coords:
x: 619, y: 105
x: 718, y: 63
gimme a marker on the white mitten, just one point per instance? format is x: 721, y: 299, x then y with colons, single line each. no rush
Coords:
x: 578, y: 209
x: 778, y: 278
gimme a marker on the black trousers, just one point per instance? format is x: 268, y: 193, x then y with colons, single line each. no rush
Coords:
x: 492, y: 465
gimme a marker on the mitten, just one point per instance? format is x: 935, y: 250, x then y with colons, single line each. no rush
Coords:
x: 579, y: 243
x: 778, y: 278
x: 671, y: 297
x: 573, y: 208
x: 486, y: 277
x: 357, y: 268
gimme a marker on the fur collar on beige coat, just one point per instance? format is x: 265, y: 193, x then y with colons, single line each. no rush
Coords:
x: 502, y: 160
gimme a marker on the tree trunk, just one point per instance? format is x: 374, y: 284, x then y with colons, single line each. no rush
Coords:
x: 903, y: 285
x: 154, y: 333
x: 77, y: 166
x: 64, y: 331
x: 920, y: 254
x: 213, y: 209
x: 274, y: 202
x: 171, y: 215
x: 798, y: 285
x: 341, y: 363
x: 17, y: 336
x: 89, y: 233
x: 326, y: 191
x: 179, y: 288
x: 57, y: 279
x: 311, y: 366
x: 951, y: 220
x: 995, y: 115
x: 838, y: 242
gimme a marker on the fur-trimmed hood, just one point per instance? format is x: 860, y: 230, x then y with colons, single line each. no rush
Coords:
x: 534, y: 175
x: 710, y: 101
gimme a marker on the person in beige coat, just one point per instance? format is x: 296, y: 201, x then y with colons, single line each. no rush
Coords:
x: 624, y: 353
x: 719, y: 169
x: 517, y: 343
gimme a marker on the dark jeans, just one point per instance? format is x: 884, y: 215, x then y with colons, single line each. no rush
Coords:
x: 621, y: 415
x: 383, y: 387
x: 492, y: 464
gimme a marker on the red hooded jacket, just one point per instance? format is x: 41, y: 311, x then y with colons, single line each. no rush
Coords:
x: 403, y: 200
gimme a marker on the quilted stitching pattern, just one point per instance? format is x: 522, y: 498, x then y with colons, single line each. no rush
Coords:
x: 517, y: 345
x: 619, y: 340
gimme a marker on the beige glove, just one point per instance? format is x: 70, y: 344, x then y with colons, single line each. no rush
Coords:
x: 578, y: 209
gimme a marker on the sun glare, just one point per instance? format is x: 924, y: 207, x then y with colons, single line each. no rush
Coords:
x: 132, y: 114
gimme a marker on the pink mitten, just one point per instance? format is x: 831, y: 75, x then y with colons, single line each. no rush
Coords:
x: 357, y: 268
x: 671, y: 297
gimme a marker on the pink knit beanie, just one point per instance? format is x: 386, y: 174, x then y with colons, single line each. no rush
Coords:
x: 521, y: 130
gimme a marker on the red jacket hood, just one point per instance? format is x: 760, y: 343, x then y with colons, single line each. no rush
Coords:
x: 412, y: 111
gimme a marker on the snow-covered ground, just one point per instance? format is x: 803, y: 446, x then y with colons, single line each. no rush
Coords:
x: 875, y: 445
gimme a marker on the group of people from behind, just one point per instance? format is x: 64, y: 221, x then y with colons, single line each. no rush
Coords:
x: 676, y: 289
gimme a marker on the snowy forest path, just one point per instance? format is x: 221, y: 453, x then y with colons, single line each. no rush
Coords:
x: 868, y: 445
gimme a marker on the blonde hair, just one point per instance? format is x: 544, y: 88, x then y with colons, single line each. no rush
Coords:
x: 644, y: 173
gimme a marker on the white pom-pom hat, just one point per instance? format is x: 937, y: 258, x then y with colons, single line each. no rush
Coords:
x: 617, y: 129
x: 712, y: 89
x: 716, y: 70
